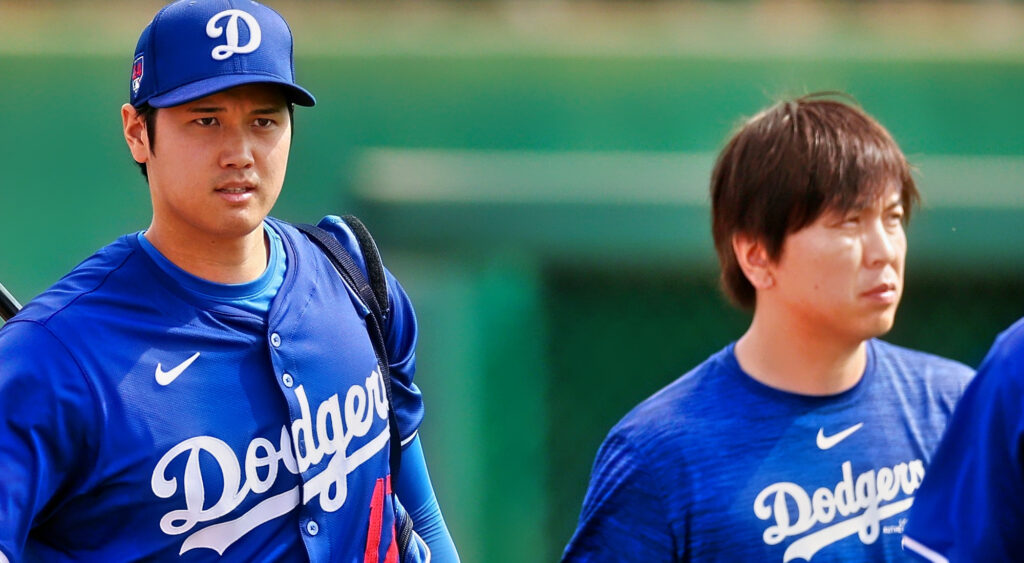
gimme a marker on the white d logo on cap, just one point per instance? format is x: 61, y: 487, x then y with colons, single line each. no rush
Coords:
x: 222, y: 52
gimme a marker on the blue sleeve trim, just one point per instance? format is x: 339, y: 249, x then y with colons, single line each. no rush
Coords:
x: 416, y: 493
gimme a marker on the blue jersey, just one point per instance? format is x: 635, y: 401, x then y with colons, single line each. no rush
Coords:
x: 971, y: 505
x: 143, y: 420
x: 719, y: 467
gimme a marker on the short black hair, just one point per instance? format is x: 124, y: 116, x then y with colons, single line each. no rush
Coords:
x: 148, y: 113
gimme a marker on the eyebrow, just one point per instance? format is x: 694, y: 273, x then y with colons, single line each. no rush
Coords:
x: 206, y: 109
x: 268, y: 110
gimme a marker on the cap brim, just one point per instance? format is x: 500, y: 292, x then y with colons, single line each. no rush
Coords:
x: 202, y: 88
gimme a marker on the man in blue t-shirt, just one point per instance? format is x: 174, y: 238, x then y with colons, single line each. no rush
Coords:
x: 807, y: 438
x: 207, y: 389
x: 971, y: 505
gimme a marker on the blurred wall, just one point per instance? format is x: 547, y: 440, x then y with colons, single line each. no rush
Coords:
x: 536, y: 174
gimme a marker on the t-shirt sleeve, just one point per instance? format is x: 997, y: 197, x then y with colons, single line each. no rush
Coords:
x: 400, y: 334
x: 47, y: 429
x: 623, y: 516
x: 970, y: 506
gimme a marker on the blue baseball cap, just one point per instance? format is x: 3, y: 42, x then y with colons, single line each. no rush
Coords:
x: 194, y: 48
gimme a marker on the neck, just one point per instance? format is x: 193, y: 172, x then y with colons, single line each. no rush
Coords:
x: 798, y: 358
x: 221, y: 260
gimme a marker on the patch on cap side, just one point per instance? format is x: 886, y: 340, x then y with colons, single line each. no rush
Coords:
x: 137, y: 74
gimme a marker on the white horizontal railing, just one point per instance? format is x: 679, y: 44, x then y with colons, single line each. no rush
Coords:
x: 387, y: 175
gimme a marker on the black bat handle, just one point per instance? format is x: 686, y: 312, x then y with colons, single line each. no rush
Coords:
x: 9, y: 306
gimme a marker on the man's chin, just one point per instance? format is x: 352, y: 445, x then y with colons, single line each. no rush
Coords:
x: 241, y: 225
x: 881, y: 326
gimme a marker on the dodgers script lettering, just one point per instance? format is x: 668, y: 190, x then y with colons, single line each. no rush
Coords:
x: 310, y: 438
x: 858, y: 502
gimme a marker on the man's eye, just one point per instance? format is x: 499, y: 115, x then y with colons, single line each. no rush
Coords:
x: 206, y: 121
x: 264, y: 122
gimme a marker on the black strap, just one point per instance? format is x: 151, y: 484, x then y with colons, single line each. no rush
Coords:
x: 370, y: 295
x: 9, y: 306
x: 374, y: 265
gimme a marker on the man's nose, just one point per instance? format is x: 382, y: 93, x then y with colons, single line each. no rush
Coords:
x: 236, y: 148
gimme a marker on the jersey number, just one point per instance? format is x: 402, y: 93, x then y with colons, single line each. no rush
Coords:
x: 381, y: 491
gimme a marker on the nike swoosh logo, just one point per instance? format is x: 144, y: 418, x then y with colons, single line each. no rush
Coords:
x: 166, y: 377
x: 828, y: 442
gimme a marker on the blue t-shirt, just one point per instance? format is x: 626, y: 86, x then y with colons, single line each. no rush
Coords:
x: 719, y: 467
x: 971, y: 505
x: 144, y: 420
x: 253, y: 296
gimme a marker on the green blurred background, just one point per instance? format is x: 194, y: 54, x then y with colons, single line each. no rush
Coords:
x: 536, y: 175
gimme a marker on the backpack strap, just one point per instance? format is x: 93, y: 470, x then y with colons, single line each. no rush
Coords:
x: 372, y: 293
x: 374, y: 265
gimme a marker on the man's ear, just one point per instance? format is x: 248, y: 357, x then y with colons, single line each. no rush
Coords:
x: 753, y: 260
x: 135, y: 133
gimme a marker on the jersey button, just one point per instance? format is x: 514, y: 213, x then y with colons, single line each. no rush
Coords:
x: 312, y: 528
x: 287, y: 380
x: 275, y: 340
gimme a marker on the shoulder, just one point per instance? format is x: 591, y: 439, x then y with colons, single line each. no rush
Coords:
x: 363, y: 253
x: 920, y: 365
x: 111, y: 271
x: 1002, y: 370
x: 48, y: 338
x: 40, y: 376
x: 23, y: 341
x: 922, y: 384
x: 334, y: 225
x: 679, y: 410
x: 1008, y: 349
x: 343, y: 232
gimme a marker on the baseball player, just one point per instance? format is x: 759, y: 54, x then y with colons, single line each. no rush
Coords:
x: 207, y: 389
x: 971, y: 504
x: 807, y: 438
